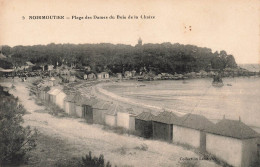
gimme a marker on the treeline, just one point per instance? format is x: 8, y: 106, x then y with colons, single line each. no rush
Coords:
x: 165, y: 57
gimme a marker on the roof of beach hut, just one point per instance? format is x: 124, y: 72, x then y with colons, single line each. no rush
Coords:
x: 233, y: 128
x: 195, y: 121
x: 54, y: 91
x: 102, y: 105
x: 114, y: 108
x: 166, y: 117
x: 146, y: 116
x: 87, y: 101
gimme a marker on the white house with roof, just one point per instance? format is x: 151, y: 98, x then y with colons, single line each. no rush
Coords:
x: 234, y: 142
x: 103, y: 75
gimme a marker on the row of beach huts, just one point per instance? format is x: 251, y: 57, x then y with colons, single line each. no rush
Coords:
x: 230, y: 140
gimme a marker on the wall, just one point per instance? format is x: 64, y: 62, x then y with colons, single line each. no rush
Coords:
x: 110, y: 120
x: 67, y: 107
x: 132, y: 122
x: 88, y: 113
x: 79, y: 111
x: 123, y: 120
x: 145, y: 128
x: 98, y: 116
x: 186, y: 136
x: 60, y: 99
x: 162, y: 131
x: 249, y: 152
x: 226, y: 148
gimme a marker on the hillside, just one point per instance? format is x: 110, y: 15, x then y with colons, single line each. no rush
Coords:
x: 159, y: 58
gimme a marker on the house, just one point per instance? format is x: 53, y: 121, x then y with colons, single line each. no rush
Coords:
x: 85, y: 76
x: 143, y: 124
x: 103, y: 75
x: 233, y: 141
x: 111, y: 114
x: 50, y: 67
x: 52, y: 82
x: 72, y: 78
x: 126, y: 119
x: 119, y: 75
x: 87, y: 68
x: 91, y: 76
x: 128, y: 74
x: 163, y: 126
x: 191, y: 130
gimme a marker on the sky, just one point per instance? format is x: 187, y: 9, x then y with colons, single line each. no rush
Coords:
x: 231, y: 25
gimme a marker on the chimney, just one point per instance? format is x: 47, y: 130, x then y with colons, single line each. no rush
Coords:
x: 224, y: 116
x: 239, y: 119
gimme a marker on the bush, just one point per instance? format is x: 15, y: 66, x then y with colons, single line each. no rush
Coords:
x: 87, y: 161
x: 15, y: 141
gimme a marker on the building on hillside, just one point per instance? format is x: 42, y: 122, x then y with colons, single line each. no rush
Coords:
x: 163, y: 126
x: 72, y: 78
x: 143, y: 124
x: 127, y: 74
x: 191, y: 130
x: 50, y: 67
x: 52, y: 82
x: 126, y: 119
x: 234, y: 142
x: 119, y: 75
x: 85, y: 76
x: 92, y: 76
x: 103, y: 75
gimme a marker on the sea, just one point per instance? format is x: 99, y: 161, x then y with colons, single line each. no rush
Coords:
x: 239, y: 98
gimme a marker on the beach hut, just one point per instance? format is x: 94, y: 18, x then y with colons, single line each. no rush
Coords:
x: 111, y: 114
x: 60, y: 99
x: 191, y: 130
x: 126, y: 119
x: 52, y: 94
x: 70, y: 103
x: 84, y: 108
x: 43, y: 93
x: 233, y: 141
x: 163, y: 126
x: 99, y: 110
x: 143, y: 124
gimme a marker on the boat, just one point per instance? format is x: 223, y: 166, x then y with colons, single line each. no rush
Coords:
x: 217, y: 81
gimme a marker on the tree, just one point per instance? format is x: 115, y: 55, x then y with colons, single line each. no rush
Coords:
x: 15, y: 140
